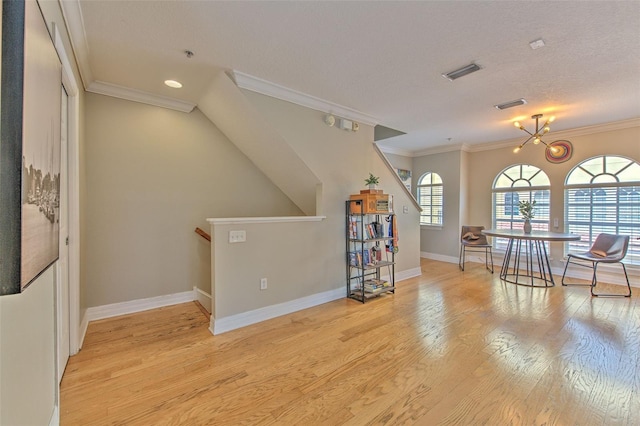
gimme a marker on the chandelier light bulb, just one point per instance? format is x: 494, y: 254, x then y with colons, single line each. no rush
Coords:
x: 517, y: 149
x: 552, y: 119
x: 517, y: 124
x: 536, y: 141
x: 554, y: 149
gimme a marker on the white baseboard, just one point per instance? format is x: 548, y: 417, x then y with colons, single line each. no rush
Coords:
x: 132, y: 306
x: 232, y: 322
x: 404, y: 275
x: 244, y: 319
x: 203, y: 298
x: 55, y: 417
x: 439, y: 257
x: 83, y: 330
x: 606, y: 273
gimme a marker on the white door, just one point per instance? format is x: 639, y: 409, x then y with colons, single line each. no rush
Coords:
x: 62, y: 291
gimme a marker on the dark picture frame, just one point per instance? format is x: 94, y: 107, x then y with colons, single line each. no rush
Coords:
x: 30, y: 96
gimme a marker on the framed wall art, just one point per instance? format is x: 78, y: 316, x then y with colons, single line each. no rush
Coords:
x: 561, y: 152
x: 405, y: 177
x: 30, y: 98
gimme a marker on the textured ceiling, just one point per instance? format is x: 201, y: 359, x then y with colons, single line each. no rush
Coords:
x: 385, y: 59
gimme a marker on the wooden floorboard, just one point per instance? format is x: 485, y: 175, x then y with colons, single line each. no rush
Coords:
x: 450, y: 348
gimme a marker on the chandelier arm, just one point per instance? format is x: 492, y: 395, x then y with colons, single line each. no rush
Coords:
x: 530, y: 137
x: 525, y: 130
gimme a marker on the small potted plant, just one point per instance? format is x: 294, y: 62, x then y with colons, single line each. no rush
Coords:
x: 372, y: 181
x: 526, y: 210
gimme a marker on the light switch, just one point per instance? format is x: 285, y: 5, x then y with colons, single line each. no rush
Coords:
x: 237, y: 236
x: 555, y: 222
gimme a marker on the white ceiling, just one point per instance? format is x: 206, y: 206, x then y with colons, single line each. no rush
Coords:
x: 382, y: 59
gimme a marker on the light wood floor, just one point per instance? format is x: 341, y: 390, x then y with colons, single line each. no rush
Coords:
x: 447, y: 348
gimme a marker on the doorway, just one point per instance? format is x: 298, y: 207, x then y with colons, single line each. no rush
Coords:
x: 62, y: 287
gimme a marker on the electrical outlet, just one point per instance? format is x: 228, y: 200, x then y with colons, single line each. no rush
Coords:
x: 405, y: 209
x: 263, y: 283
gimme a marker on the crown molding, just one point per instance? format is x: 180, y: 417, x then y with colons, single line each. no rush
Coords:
x: 441, y: 149
x: 135, y: 95
x: 268, y: 88
x: 72, y: 15
x: 511, y: 143
x: 396, y: 151
x: 563, y: 134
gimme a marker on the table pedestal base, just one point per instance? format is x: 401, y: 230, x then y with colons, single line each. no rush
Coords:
x: 527, y: 253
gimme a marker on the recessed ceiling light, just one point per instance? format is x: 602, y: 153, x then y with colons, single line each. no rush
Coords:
x: 173, y: 83
x: 511, y: 104
x: 461, y: 72
x: 537, y: 44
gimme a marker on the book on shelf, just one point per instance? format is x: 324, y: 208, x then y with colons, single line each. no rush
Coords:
x: 375, y: 285
x: 355, y: 258
x: 354, y: 230
x: 366, y: 257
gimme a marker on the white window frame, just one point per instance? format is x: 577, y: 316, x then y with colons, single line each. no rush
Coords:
x: 521, y: 186
x: 591, y: 225
x: 436, y: 220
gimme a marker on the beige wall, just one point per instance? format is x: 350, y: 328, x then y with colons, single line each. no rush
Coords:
x: 306, y: 258
x: 442, y: 240
x: 153, y: 176
x: 468, y: 179
x: 484, y: 166
x: 288, y: 254
x: 341, y: 160
x: 27, y: 354
x: 399, y: 161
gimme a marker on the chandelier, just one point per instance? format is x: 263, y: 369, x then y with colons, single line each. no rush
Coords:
x: 540, y: 131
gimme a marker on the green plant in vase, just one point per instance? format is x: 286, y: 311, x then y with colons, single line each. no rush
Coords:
x: 527, y: 210
x: 372, y: 181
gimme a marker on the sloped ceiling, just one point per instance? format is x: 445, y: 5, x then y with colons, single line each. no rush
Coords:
x: 381, y: 59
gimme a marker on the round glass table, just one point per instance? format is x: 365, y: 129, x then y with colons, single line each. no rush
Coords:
x: 526, y: 261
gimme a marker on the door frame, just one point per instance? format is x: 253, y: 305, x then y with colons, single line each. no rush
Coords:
x: 70, y: 84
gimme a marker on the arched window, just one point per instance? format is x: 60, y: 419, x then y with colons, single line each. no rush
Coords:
x: 602, y: 195
x: 430, y: 198
x: 521, y: 182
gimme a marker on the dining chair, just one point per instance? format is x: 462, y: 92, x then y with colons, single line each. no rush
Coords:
x: 607, y: 248
x: 472, y: 239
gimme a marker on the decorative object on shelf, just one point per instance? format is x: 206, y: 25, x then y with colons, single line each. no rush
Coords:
x: 561, y: 152
x: 527, y: 210
x: 372, y: 181
x: 537, y: 135
x: 373, y: 202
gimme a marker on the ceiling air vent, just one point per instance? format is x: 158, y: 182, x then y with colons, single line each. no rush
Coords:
x: 461, y: 72
x: 511, y: 104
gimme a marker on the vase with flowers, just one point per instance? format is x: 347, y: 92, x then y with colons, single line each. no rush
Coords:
x: 527, y: 209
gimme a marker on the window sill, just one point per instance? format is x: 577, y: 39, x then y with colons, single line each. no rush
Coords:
x: 431, y: 227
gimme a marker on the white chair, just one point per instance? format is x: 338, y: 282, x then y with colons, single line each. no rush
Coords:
x: 607, y: 248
